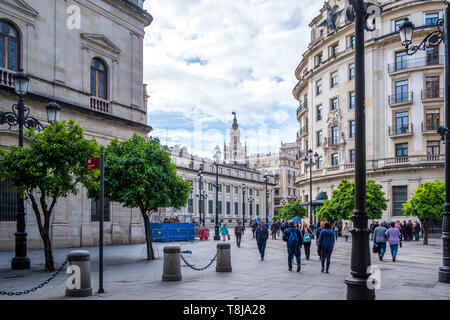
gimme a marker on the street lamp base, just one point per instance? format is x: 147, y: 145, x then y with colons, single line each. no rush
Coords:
x: 20, y: 263
x: 357, y: 289
x: 216, y: 237
x: 444, y: 274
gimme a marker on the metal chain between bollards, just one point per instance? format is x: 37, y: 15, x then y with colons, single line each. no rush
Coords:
x: 18, y: 293
x: 194, y: 267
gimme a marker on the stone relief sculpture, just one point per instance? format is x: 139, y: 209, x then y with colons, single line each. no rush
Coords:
x: 331, y: 17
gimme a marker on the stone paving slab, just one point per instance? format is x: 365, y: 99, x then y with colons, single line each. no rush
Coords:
x: 128, y: 275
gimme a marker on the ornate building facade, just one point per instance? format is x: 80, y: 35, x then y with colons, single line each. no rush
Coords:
x: 404, y: 102
x: 88, y: 57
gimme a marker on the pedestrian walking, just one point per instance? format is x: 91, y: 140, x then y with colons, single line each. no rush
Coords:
x: 254, y: 226
x: 408, y: 230
x: 336, y: 230
x: 308, y: 235
x: 379, y: 239
x: 346, y: 231
x: 238, y: 232
x: 279, y: 228
x: 417, y: 231
x: 274, y: 230
x: 318, y: 231
x: 294, y: 240
x: 262, y: 234
x: 325, y: 245
x: 393, y: 237
x: 224, y: 232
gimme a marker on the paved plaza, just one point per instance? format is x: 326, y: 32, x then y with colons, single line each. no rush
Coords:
x: 129, y: 276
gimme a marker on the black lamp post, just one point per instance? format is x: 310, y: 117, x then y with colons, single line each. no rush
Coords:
x: 243, y: 206
x: 20, y: 116
x: 202, y: 195
x: 250, y: 209
x: 433, y: 39
x: 266, y: 181
x: 217, y: 186
x: 309, y: 163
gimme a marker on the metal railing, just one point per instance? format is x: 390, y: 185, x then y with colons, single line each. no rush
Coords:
x: 303, y: 106
x: 8, y: 202
x: 302, y: 131
x: 399, y: 130
x: 401, y: 97
x: 432, y: 93
x: 431, y: 126
x: 415, y: 63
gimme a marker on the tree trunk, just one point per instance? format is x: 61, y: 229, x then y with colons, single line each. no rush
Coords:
x: 49, y: 262
x: 426, y: 226
x: 148, y: 237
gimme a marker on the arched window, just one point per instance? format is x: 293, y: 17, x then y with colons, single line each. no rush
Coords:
x: 99, y: 79
x: 9, y: 46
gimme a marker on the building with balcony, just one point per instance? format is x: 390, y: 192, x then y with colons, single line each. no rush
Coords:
x: 404, y: 102
x: 88, y: 57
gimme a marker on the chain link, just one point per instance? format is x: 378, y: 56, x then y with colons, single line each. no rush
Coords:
x: 18, y: 293
x: 198, y: 269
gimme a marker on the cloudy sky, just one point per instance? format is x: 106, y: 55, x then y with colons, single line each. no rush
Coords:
x: 204, y: 59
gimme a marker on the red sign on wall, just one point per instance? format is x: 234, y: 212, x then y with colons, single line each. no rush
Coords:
x: 93, y: 163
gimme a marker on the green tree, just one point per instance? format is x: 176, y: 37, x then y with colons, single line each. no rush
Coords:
x: 139, y: 173
x: 426, y: 204
x: 292, y: 209
x: 342, y: 202
x: 52, y: 167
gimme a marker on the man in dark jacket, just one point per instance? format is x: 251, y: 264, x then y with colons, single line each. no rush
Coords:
x: 325, y: 245
x: 238, y: 232
x: 254, y: 226
x: 262, y: 234
x: 294, y: 239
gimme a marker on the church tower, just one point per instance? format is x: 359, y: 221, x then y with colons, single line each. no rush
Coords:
x: 235, y: 150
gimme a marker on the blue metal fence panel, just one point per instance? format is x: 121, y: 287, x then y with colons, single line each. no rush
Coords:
x: 170, y: 232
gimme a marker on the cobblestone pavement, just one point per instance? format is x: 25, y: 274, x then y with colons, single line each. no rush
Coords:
x: 129, y: 276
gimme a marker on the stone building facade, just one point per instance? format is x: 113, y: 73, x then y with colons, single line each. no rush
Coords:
x: 88, y: 57
x: 232, y: 178
x: 404, y: 102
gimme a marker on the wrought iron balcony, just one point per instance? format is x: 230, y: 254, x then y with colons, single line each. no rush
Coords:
x: 415, y: 63
x: 431, y: 126
x: 403, y: 97
x: 303, y: 106
x: 432, y: 93
x: 302, y: 131
x: 400, y: 130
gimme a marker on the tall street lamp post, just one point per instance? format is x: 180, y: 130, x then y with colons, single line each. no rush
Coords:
x: 20, y: 116
x: 243, y: 206
x: 309, y: 163
x: 433, y: 39
x: 217, y: 186
x: 250, y: 209
x: 266, y: 181
x: 202, y: 195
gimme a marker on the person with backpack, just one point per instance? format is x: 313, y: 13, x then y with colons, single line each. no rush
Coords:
x: 262, y: 234
x: 325, y: 245
x: 294, y: 239
x: 308, y: 235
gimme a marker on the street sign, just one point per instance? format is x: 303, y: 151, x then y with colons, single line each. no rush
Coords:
x: 93, y: 163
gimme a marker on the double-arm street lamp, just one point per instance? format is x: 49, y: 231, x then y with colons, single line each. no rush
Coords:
x: 433, y: 39
x: 243, y: 206
x: 218, y: 188
x: 20, y: 116
x: 202, y: 195
x: 309, y: 163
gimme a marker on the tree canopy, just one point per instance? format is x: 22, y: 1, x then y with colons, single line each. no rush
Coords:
x: 292, y: 209
x: 342, y: 202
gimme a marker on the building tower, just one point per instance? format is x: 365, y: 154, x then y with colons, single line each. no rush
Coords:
x: 235, y: 150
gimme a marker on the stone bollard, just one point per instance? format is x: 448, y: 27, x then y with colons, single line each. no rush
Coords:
x: 223, y: 263
x: 78, y: 274
x: 172, y: 264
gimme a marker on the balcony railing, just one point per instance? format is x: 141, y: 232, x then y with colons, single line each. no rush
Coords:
x: 6, y: 78
x: 415, y: 63
x: 401, y: 97
x: 432, y: 93
x: 302, y: 131
x: 400, y: 130
x: 303, y: 106
x: 431, y: 126
x: 100, y: 105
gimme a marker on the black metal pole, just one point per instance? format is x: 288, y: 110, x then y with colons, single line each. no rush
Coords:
x: 102, y: 214
x: 444, y: 271
x: 216, y: 229
x: 243, y: 207
x: 310, y: 189
x: 20, y: 261
x: 357, y: 288
x: 267, y: 200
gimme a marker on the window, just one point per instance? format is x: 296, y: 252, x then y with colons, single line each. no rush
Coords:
x: 95, y: 210
x: 318, y: 87
x: 190, y: 206
x: 229, y: 172
x: 398, y: 23
x: 334, y: 50
x: 400, y: 61
x: 400, y: 196
x: 401, y: 91
x: 432, y: 87
x: 334, y: 104
x: 98, y: 79
x: 8, y: 202
x: 9, y: 47
x: 220, y: 171
x: 319, y: 163
x: 250, y: 207
x: 277, y: 191
x: 335, y: 135
x: 250, y: 192
x: 236, y: 208
x: 219, y: 204
x: 352, y: 156
x: 319, y: 135
x: 351, y: 100
x: 431, y: 18
x: 277, y: 202
x: 318, y: 59
x: 351, y: 125
x: 351, y: 41
x: 211, y: 169
x: 432, y: 55
x: 432, y: 119
x: 210, y: 206
x: 351, y: 72
x: 210, y: 187
x: 257, y: 193
x: 335, y: 159
x: 334, y: 79
x: 319, y: 113
x: 236, y: 190
x: 228, y: 189
x: 257, y: 209
x: 433, y: 148
x: 401, y: 150
x: 401, y: 122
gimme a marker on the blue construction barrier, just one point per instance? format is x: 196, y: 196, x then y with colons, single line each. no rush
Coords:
x: 171, y: 232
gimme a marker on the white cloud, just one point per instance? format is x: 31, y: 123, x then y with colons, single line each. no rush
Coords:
x: 205, y: 58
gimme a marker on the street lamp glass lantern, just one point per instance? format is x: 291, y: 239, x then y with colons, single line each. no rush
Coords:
x: 21, y: 81
x: 53, y: 110
x: 305, y: 160
x: 310, y: 152
x: 316, y: 156
x: 406, y: 32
